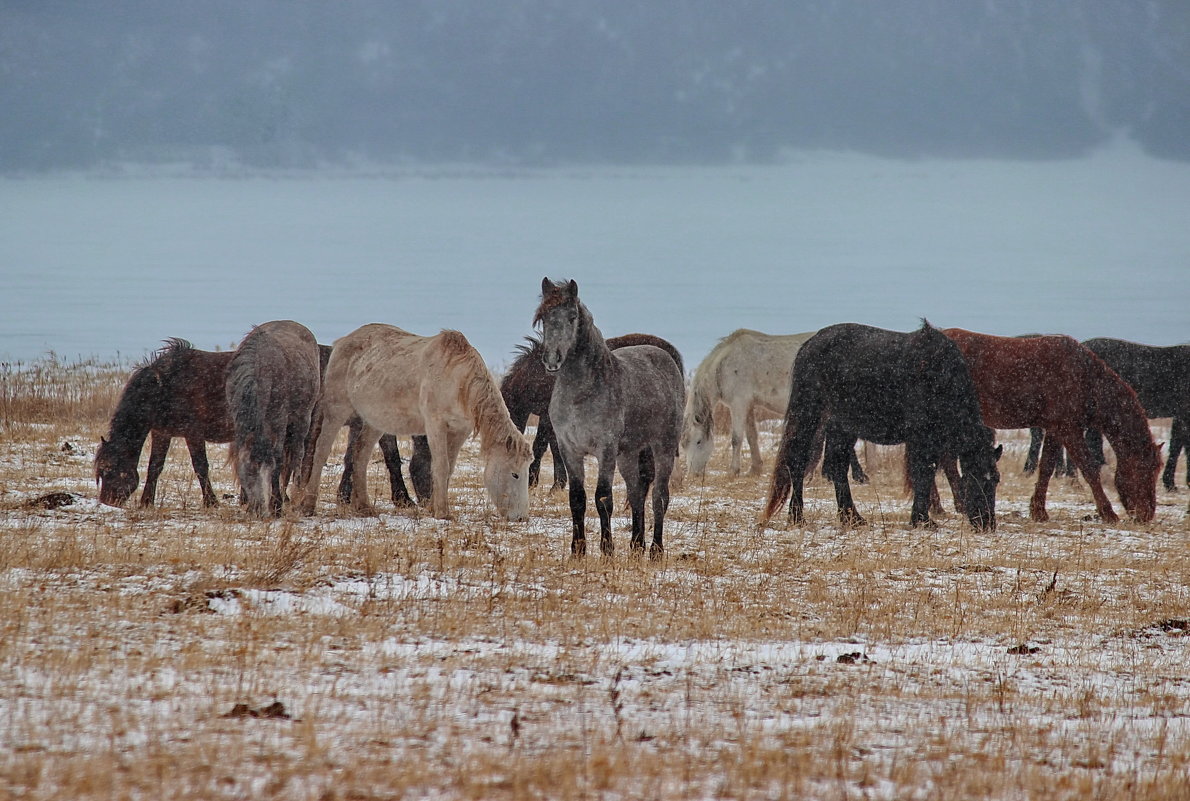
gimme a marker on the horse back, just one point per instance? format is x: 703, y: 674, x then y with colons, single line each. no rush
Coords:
x: 193, y: 403
x: 654, y: 394
x: 1160, y: 376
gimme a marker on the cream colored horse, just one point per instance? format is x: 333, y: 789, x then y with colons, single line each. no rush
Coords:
x: 749, y: 373
x: 439, y: 386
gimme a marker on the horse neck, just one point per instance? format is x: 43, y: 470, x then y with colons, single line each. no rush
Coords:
x: 591, y: 353
x: 1116, y: 412
x: 135, y: 412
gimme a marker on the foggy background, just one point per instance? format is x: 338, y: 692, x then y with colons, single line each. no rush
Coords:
x: 304, y: 83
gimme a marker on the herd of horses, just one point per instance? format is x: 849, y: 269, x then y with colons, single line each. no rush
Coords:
x: 280, y: 400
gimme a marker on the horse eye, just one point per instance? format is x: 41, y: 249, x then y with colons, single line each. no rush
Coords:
x: 516, y: 476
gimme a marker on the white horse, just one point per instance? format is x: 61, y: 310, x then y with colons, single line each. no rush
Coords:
x: 439, y: 386
x: 749, y: 373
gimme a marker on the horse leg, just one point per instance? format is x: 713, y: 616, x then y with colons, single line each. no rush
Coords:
x: 835, y: 466
x: 950, y: 468
x: 923, y: 466
x: 1076, y: 449
x: 803, y: 454
x: 198, y: 460
x: 1050, y: 451
x: 541, y: 443
x: 158, y: 448
x: 421, y: 469
x: 664, y: 468
x: 396, y: 483
x: 1093, y: 440
x: 1036, y: 435
x: 857, y: 470
x: 360, y: 454
x: 739, y: 419
x: 332, y: 419
x: 1169, y: 476
x: 636, y: 475
x: 578, y: 502
x: 603, y: 499
x: 354, y: 426
x: 753, y: 442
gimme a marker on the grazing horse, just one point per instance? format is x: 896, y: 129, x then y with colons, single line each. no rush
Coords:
x: 1055, y: 383
x: 527, y: 388
x: 748, y: 372
x: 887, y: 387
x: 273, y: 382
x: 1161, y: 378
x: 419, y: 465
x: 178, y: 393
x: 622, y: 406
x: 439, y: 386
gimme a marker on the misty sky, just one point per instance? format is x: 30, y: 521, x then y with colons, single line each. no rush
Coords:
x: 302, y: 83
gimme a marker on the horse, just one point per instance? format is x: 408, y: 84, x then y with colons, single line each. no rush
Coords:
x: 623, y: 406
x: 527, y: 388
x: 177, y: 393
x: 438, y: 386
x: 1057, y: 384
x: 749, y: 373
x: 888, y: 387
x: 1161, y: 378
x: 273, y: 383
x: 419, y: 464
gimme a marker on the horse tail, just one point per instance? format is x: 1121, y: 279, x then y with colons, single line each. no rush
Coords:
x: 781, y: 485
x: 804, y: 408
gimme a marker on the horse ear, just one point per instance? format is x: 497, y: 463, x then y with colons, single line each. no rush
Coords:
x: 572, y: 289
x: 545, y: 285
x: 999, y: 452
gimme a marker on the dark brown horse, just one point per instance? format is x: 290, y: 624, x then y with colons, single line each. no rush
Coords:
x: 1057, y: 384
x: 179, y: 393
x: 527, y: 389
x: 855, y: 381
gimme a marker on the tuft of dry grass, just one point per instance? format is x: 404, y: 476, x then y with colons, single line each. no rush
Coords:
x: 474, y: 659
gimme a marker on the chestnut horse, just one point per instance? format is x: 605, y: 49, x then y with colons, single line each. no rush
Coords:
x: 527, y: 389
x: 1057, y: 384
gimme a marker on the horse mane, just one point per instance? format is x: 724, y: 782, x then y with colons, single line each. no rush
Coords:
x: 480, y: 395
x: 131, y: 419
x: 244, y: 405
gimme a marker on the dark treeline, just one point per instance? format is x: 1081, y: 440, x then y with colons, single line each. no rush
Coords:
x: 305, y: 82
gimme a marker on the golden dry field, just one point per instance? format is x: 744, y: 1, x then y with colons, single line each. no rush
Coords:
x: 184, y: 653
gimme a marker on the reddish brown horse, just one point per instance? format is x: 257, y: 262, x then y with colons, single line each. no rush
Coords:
x: 1057, y: 384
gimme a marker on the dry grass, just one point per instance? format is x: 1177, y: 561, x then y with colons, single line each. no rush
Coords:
x: 473, y: 659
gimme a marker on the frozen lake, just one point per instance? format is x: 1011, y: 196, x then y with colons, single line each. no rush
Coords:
x: 111, y: 265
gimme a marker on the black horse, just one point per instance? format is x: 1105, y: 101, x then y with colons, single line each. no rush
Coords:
x: 888, y: 387
x: 1161, y: 378
x: 527, y: 389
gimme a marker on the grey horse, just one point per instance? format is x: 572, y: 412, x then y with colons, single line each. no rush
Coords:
x: 624, y: 407
x: 273, y: 382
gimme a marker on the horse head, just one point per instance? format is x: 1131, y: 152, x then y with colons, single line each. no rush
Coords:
x: 1136, y: 481
x: 115, y: 473
x: 560, y: 318
x: 979, y: 479
x: 506, y: 478
x: 697, y: 441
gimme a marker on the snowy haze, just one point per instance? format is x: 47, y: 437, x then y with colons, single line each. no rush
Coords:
x: 105, y: 265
